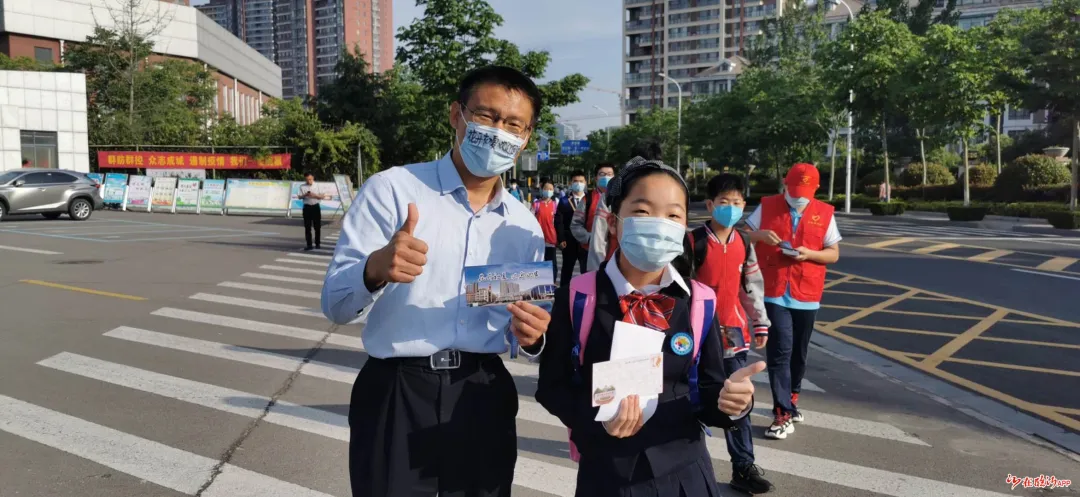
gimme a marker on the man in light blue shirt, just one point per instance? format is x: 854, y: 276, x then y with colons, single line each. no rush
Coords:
x: 433, y: 409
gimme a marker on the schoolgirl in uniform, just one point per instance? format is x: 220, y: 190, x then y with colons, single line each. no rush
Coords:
x: 634, y: 454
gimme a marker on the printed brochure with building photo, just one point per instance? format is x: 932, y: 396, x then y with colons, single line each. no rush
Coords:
x: 501, y: 284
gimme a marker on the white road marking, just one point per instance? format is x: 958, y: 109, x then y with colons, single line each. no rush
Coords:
x: 285, y: 279
x: 845, y: 424
x: 317, y: 421
x: 317, y: 369
x: 270, y: 289
x: 310, y: 256
x: 257, y: 304
x: 154, y: 462
x: 30, y: 250
x: 302, y: 263
x: 1040, y: 273
x: 293, y: 270
x: 259, y: 326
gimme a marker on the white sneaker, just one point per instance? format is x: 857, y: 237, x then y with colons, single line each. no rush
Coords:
x: 796, y: 417
x: 780, y: 428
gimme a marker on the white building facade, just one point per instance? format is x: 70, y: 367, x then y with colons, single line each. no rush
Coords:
x: 43, y: 120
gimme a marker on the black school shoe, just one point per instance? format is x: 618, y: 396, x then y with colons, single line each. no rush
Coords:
x: 750, y: 480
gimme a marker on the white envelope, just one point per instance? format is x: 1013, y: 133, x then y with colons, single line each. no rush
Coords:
x: 629, y: 340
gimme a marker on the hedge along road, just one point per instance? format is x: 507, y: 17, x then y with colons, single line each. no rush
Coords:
x: 1019, y: 358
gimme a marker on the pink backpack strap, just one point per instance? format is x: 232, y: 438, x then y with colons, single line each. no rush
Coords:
x: 702, y: 310
x: 582, y: 310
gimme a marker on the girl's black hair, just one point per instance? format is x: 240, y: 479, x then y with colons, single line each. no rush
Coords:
x: 623, y: 182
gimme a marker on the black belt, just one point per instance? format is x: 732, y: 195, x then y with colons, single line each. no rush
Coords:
x: 444, y: 360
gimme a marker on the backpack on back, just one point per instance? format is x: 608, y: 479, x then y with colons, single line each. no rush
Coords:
x: 583, y: 309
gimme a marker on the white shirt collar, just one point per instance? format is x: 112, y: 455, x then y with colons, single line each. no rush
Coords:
x: 623, y: 287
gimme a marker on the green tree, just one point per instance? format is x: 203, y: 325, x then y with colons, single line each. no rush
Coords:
x: 998, y: 47
x: 317, y: 148
x: 961, y: 87
x: 456, y: 36
x: 884, y: 49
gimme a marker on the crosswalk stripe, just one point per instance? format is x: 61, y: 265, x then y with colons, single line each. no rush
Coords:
x: 257, y: 304
x: 317, y: 369
x: 30, y: 250
x: 1056, y: 264
x: 302, y: 263
x: 935, y: 248
x: 889, y: 243
x: 270, y: 289
x: 285, y: 279
x: 310, y: 256
x: 259, y: 326
x: 303, y: 418
x: 147, y: 460
x: 989, y: 255
x: 845, y: 424
x: 292, y: 269
x: 825, y: 470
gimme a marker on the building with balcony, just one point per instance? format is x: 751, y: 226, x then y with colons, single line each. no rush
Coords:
x: 306, y: 37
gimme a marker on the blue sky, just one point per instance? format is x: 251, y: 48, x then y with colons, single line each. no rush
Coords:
x: 583, y: 36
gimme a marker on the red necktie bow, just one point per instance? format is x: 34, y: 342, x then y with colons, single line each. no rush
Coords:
x: 651, y: 311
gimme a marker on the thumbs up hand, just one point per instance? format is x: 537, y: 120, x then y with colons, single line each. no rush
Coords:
x: 401, y: 260
x: 738, y: 391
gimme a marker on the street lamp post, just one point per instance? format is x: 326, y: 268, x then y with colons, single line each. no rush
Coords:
x: 678, y: 138
x: 607, y: 132
x: 850, y: 120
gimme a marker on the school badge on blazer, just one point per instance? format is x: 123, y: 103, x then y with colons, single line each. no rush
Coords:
x: 682, y: 343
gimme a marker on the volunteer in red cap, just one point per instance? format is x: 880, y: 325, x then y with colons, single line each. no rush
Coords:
x: 795, y: 236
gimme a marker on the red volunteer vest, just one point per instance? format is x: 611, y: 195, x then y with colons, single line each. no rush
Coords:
x: 722, y: 271
x: 545, y: 214
x: 806, y: 280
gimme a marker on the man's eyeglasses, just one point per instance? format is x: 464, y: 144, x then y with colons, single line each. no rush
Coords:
x: 487, y: 118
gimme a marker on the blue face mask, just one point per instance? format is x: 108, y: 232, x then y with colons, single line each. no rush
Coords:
x: 727, y: 215
x: 602, y: 181
x: 577, y: 187
x: 651, y: 243
x: 487, y: 151
x: 547, y: 193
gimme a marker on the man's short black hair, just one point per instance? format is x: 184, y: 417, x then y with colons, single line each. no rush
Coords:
x: 309, y: 174
x: 513, y: 181
x: 648, y: 149
x: 506, y: 77
x: 603, y: 165
x: 25, y: 161
x: 577, y: 173
x: 724, y: 183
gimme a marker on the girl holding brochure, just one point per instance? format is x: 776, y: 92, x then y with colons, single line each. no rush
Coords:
x: 649, y: 445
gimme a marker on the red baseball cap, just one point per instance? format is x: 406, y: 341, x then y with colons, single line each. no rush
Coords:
x: 802, y: 180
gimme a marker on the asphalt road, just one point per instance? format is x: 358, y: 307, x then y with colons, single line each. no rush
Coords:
x: 161, y: 355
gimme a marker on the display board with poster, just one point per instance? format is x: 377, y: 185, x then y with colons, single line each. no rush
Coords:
x: 138, y: 194
x: 344, y: 188
x: 163, y: 193
x: 114, y: 188
x: 212, y: 197
x: 252, y: 196
x: 187, y: 195
x: 329, y: 205
x: 177, y: 173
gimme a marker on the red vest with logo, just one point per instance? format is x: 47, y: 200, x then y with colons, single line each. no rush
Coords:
x: 806, y: 280
x: 545, y: 214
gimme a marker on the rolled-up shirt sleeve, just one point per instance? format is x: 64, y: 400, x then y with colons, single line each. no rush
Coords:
x: 367, y: 227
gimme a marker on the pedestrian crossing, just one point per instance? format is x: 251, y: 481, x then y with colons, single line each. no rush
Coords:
x: 232, y: 326
x: 872, y: 228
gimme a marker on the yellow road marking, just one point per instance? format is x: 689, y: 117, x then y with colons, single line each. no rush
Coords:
x: 889, y: 243
x: 855, y: 316
x: 83, y: 290
x: 1000, y: 365
x: 931, y: 314
x: 947, y: 350
x: 1056, y: 264
x: 838, y: 281
x: 989, y: 256
x: 935, y: 248
x: 1066, y: 410
x: 1005, y: 264
x: 1041, y: 323
x: 944, y: 334
x: 843, y: 307
x: 1039, y: 409
x: 862, y: 294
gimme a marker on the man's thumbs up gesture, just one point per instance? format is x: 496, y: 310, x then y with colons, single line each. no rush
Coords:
x: 401, y: 260
x: 738, y: 391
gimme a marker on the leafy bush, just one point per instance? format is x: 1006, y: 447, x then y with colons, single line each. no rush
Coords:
x: 1020, y: 209
x: 1027, y: 172
x: 961, y: 213
x: 1064, y: 220
x: 887, y: 209
x: 944, y: 157
x: 936, y: 174
x: 858, y: 201
x: 982, y: 175
x: 873, y: 179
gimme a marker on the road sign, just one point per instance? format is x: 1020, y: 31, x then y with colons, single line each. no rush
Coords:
x: 542, y: 156
x: 528, y: 162
x: 575, y: 147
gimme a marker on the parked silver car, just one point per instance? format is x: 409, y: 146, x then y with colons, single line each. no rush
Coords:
x: 49, y: 192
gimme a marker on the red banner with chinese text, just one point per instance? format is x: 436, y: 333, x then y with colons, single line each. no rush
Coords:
x: 184, y: 160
